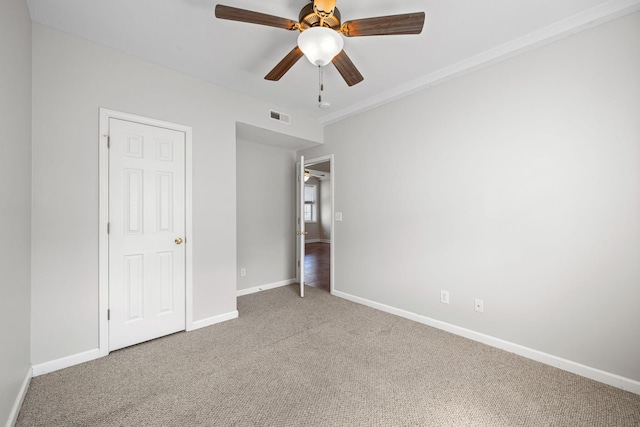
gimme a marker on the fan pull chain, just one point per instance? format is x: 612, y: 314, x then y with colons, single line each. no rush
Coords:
x: 320, y: 84
x: 321, y: 104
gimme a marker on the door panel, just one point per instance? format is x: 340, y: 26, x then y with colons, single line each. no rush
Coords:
x: 133, y: 285
x: 146, y: 217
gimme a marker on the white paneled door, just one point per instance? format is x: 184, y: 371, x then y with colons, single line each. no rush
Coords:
x: 146, y: 232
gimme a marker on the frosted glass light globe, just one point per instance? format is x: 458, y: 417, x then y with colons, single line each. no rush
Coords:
x: 320, y: 45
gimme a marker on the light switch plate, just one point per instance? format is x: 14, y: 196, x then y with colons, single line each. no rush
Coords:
x: 338, y: 216
x: 444, y: 297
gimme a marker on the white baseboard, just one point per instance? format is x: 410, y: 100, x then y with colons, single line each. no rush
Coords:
x: 65, y: 362
x: 539, y: 356
x: 268, y: 286
x: 15, y: 410
x: 76, y: 359
x: 325, y: 241
x: 213, y: 320
x: 312, y: 240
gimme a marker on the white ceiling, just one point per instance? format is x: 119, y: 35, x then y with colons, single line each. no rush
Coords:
x: 458, y: 35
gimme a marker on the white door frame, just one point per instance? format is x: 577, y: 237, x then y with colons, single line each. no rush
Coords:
x: 103, y: 237
x: 332, y: 185
x: 300, y: 226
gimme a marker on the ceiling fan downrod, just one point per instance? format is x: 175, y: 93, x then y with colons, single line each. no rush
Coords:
x: 324, y: 9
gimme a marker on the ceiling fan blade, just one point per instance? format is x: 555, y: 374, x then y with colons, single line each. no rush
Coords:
x: 284, y: 65
x: 347, y: 70
x: 243, y: 15
x: 408, y: 23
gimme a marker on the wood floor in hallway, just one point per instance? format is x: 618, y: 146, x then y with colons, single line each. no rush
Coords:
x: 317, y: 265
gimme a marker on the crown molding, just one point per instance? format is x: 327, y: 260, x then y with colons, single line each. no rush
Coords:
x: 588, y: 19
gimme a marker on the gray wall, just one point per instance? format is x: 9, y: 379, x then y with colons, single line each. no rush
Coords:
x: 518, y: 184
x: 72, y: 79
x: 15, y: 200
x: 265, y: 182
x: 325, y: 209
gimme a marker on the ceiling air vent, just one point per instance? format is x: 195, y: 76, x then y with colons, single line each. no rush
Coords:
x: 281, y: 117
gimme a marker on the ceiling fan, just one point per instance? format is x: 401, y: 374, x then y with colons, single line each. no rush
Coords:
x: 320, y: 34
x: 308, y: 173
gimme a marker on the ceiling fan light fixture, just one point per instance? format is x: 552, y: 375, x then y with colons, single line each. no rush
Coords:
x: 320, y: 45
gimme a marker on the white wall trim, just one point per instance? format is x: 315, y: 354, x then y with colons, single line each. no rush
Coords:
x: 15, y: 409
x: 213, y: 320
x: 588, y: 19
x: 266, y: 287
x: 103, y: 244
x: 325, y: 241
x: 312, y: 240
x: 76, y: 359
x: 188, y: 200
x: 539, y: 356
x: 65, y: 362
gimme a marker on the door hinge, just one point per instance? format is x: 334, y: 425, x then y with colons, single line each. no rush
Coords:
x: 108, y: 141
x: 108, y: 314
x: 108, y: 227
x: 298, y: 263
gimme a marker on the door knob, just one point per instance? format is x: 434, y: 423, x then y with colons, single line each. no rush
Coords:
x: 301, y: 232
x: 179, y: 240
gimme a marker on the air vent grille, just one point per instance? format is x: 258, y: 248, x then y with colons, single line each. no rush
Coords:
x: 281, y: 117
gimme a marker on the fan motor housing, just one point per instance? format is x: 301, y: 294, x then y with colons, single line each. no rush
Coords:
x: 308, y: 18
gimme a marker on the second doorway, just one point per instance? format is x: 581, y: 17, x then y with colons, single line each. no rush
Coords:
x: 318, y: 215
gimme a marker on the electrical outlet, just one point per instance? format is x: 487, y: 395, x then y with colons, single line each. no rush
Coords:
x: 444, y: 297
x: 479, y: 305
x: 243, y: 272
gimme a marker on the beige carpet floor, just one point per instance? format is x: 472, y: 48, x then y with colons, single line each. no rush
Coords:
x: 319, y: 361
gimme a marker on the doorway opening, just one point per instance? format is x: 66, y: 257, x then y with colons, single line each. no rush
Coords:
x: 318, y: 217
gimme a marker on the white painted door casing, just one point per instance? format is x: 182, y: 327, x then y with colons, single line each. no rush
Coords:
x: 300, y: 221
